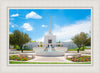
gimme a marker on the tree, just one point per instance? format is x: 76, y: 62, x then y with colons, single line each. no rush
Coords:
x: 80, y: 40
x: 18, y: 38
x: 59, y: 43
x: 88, y: 41
x: 84, y: 37
x: 33, y: 41
x: 41, y: 44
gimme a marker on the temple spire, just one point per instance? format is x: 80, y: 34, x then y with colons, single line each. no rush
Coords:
x: 50, y: 24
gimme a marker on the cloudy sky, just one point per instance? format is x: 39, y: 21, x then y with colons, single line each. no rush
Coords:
x: 65, y: 23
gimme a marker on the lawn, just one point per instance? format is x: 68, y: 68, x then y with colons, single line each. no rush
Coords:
x: 16, y: 62
x: 25, y: 50
x: 75, y: 49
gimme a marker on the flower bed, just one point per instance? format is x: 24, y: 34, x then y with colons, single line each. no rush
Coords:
x: 18, y: 58
x: 80, y: 59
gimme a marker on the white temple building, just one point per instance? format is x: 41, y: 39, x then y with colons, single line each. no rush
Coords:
x: 49, y: 39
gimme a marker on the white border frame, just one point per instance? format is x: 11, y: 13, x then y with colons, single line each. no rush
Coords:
x: 54, y: 8
x: 4, y: 68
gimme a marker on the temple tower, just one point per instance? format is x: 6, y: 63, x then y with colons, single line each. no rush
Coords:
x: 49, y: 24
x: 49, y: 38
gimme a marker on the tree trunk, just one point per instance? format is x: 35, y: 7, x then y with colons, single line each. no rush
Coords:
x: 21, y: 49
x: 83, y: 47
x: 77, y: 50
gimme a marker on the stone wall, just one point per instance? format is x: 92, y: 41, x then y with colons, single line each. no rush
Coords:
x: 69, y: 45
x: 31, y: 45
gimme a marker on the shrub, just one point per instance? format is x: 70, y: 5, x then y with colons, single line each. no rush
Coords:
x: 40, y: 45
x: 82, y: 48
x: 16, y: 47
x: 25, y: 47
x: 59, y: 45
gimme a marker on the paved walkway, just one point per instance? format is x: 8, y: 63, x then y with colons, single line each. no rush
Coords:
x: 49, y: 59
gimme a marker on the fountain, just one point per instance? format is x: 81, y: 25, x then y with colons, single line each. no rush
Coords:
x: 49, y: 52
x: 49, y: 40
x: 49, y: 48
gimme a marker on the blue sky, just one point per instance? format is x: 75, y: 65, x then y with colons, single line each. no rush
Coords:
x: 65, y: 23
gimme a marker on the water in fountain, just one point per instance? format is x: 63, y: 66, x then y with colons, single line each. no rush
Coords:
x: 50, y: 52
x: 49, y: 48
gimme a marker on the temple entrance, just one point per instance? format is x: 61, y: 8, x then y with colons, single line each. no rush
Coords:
x: 49, y: 41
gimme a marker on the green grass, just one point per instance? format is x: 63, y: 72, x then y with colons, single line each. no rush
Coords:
x: 87, y: 48
x: 16, y: 62
x: 25, y: 50
x: 75, y: 49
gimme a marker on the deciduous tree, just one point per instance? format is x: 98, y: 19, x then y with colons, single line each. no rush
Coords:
x: 18, y: 38
x: 80, y: 40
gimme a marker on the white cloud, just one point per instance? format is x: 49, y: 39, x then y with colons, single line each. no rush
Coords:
x: 44, y: 26
x: 14, y: 15
x: 33, y: 15
x: 16, y: 25
x: 11, y: 18
x: 65, y: 33
x: 12, y: 26
x: 40, y: 39
x: 27, y: 26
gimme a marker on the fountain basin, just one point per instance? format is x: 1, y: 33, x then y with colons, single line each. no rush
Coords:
x: 53, y: 53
